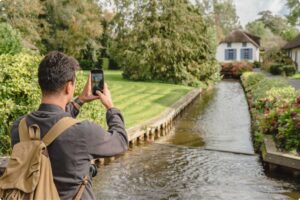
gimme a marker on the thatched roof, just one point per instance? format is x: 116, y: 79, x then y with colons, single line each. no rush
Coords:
x: 241, y: 36
x: 293, y: 43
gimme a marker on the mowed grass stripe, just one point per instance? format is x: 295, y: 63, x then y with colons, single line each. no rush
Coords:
x: 135, y: 99
x: 138, y: 101
x: 127, y: 96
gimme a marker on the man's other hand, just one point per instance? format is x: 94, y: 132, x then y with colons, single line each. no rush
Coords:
x: 86, y: 95
x: 105, y: 97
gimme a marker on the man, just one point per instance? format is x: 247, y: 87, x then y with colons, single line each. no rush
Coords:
x: 72, y: 151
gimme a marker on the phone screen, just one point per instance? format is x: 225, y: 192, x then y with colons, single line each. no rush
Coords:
x: 97, y: 80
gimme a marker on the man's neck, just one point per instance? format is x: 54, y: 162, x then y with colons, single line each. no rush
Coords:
x: 55, y: 100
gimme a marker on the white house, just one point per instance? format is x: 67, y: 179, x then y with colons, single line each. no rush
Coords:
x: 293, y: 50
x: 238, y: 46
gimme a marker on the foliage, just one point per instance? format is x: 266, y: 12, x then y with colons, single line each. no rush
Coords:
x: 10, y: 40
x: 278, y: 69
x: 19, y: 91
x: 26, y: 16
x: 294, y: 15
x: 256, y: 28
x: 251, y: 79
x: 277, y: 57
x: 73, y: 27
x: 221, y: 14
x: 274, y: 30
x: 256, y: 64
x: 86, y: 64
x: 274, y: 110
x: 235, y: 69
x: 168, y: 44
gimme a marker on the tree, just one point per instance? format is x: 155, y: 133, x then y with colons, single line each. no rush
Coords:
x: 10, y: 40
x: 25, y: 15
x: 272, y: 28
x: 165, y: 40
x: 256, y: 28
x: 74, y: 25
x: 220, y: 13
x: 294, y: 15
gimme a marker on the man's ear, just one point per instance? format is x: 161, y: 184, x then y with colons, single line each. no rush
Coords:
x: 69, y: 87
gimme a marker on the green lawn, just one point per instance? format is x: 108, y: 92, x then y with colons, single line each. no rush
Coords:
x: 138, y: 101
x: 296, y: 76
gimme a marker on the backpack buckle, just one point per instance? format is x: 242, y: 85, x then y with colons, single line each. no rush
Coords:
x: 34, y: 132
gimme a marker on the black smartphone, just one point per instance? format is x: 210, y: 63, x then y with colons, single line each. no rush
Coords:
x: 97, y: 80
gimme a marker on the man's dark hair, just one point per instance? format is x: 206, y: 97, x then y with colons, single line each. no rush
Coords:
x: 55, y: 70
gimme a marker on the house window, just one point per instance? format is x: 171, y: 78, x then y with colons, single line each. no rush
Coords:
x: 247, y: 54
x: 230, y: 54
x: 229, y: 44
x: 244, y: 44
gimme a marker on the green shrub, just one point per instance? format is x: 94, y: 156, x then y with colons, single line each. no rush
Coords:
x: 86, y: 64
x: 10, y: 40
x: 19, y: 91
x: 288, y: 136
x: 250, y: 79
x: 290, y: 70
x: 105, y: 63
x: 276, y: 69
x: 235, y: 69
x: 262, y: 87
x: 256, y: 64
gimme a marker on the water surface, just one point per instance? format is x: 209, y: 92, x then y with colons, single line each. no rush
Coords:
x: 179, y: 167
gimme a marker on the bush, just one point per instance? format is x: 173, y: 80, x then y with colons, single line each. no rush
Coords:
x: 250, y: 79
x: 256, y: 64
x: 276, y: 57
x: 86, y: 64
x: 10, y: 40
x: 278, y: 69
x: 235, y: 69
x: 290, y: 70
x: 19, y: 91
x: 274, y: 110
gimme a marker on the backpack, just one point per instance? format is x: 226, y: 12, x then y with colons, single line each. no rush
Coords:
x: 29, y: 174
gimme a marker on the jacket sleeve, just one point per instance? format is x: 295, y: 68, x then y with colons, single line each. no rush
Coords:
x: 70, y: 108
x: 102, y: 143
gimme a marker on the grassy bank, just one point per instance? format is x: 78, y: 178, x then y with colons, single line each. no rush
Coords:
x: 138, y: 101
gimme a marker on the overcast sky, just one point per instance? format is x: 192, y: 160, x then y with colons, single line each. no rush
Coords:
x: 247, y: 10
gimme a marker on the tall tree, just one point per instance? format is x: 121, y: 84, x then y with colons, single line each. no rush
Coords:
x: 272, y: 27
x: 165, y: 40
x: 71, y: 26
x: 25, y: 15
x: 221, y: 14
x: 74, y: 25
x: 256, y: 28
x: 294, y: 15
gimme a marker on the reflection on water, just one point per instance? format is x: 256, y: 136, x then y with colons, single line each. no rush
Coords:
x: 177, y: 167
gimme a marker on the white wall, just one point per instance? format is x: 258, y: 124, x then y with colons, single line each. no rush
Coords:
x: 220, y: 54
x: 293, y: 53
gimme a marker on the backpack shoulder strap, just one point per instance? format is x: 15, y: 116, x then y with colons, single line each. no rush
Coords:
x: 23, y: 130
x: 62, y: 125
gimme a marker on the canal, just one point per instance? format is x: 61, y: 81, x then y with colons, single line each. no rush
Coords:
x: 208, y: 155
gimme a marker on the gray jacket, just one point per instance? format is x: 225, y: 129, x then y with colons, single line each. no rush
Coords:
x: 72, y: 151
